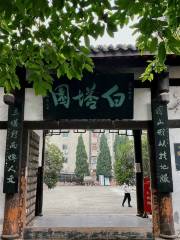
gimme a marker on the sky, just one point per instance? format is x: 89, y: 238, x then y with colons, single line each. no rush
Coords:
x: 123, y: 36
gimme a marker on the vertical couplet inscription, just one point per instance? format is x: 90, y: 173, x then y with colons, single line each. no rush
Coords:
x: 163, y: 159
x: 13, y: 143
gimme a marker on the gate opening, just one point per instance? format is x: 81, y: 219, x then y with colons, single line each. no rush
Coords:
x: 96, y: 168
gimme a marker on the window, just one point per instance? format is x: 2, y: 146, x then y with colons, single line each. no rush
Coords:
x: 65, y: 134
x: 94, y: 147
x: 64, y: 146
x: 79, y: 131
x: 65, y: 152
x: 94, y: 135
x: 93, y: 159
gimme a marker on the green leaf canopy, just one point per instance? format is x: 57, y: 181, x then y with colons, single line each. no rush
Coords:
x: 46, y: 35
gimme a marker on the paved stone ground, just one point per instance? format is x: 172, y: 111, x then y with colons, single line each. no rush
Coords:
x: 1, y: 227
x: 86, y: 199
x: 82, y: 206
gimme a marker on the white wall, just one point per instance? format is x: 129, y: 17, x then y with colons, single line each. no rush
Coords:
x: 174, y: 72
x: 175, y: 138
x: 34, y: 105
x: 174, y: 103
x: 174, y: 134
x: 3, y: 107
x: 142, y: 105
x: 2, y: 158
x: 33, y: 110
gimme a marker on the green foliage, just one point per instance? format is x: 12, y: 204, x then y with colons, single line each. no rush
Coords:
x: 159, y: 31
x: 124, y: 160
x: 51, y: 178
x: 82, y: 168
x: 104, y: 159
x: 43, y: 35
x: 145, y: 156
x: 53, y: 165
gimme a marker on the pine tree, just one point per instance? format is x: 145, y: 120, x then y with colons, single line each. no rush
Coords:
x: 104, y: 166
x: 82, y: 168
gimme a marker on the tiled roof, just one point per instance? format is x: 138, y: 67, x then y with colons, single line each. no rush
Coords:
x: 122, y: 50
x: 118, y: 50
x: 111, y: 48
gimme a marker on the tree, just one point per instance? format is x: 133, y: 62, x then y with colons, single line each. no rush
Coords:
x: 53, y: 165
x: 124, y: 162
x: 104, y: 166
x: 145, y: 156
x: 45, y: 35
x: 159, y: 30
x: 82, y: 168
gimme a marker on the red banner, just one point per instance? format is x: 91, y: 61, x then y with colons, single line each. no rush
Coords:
x: 147, y: 195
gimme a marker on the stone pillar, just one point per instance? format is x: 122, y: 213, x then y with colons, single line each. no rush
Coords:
x: 162, y: 173
x: 11, y: 211
x: 12, y: 180
x: 139, y: 172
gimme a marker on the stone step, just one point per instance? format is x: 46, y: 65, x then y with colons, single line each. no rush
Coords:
x: 91, y: 233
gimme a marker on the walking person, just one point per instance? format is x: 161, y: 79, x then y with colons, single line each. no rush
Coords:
x: 127, y: 195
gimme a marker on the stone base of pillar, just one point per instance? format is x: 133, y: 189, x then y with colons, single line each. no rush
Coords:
x: 10, y: 237
x: 166, y: 216
x: 168, y: 236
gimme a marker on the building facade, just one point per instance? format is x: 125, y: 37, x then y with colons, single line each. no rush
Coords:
x: 67, y: 141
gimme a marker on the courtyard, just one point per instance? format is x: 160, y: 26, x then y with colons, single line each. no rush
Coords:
x: 88, y: 206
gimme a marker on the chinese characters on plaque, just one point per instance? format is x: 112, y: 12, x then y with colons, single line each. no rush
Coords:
x: 162, y: 151
x: 14, y: 132
x: 96, y: 96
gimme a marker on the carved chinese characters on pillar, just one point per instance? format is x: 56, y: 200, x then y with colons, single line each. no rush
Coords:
x: 14, y: 132
x: 95, y: 97
x: 162, y: 148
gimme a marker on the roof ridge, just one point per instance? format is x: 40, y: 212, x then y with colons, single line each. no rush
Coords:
x: 118, y: 49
